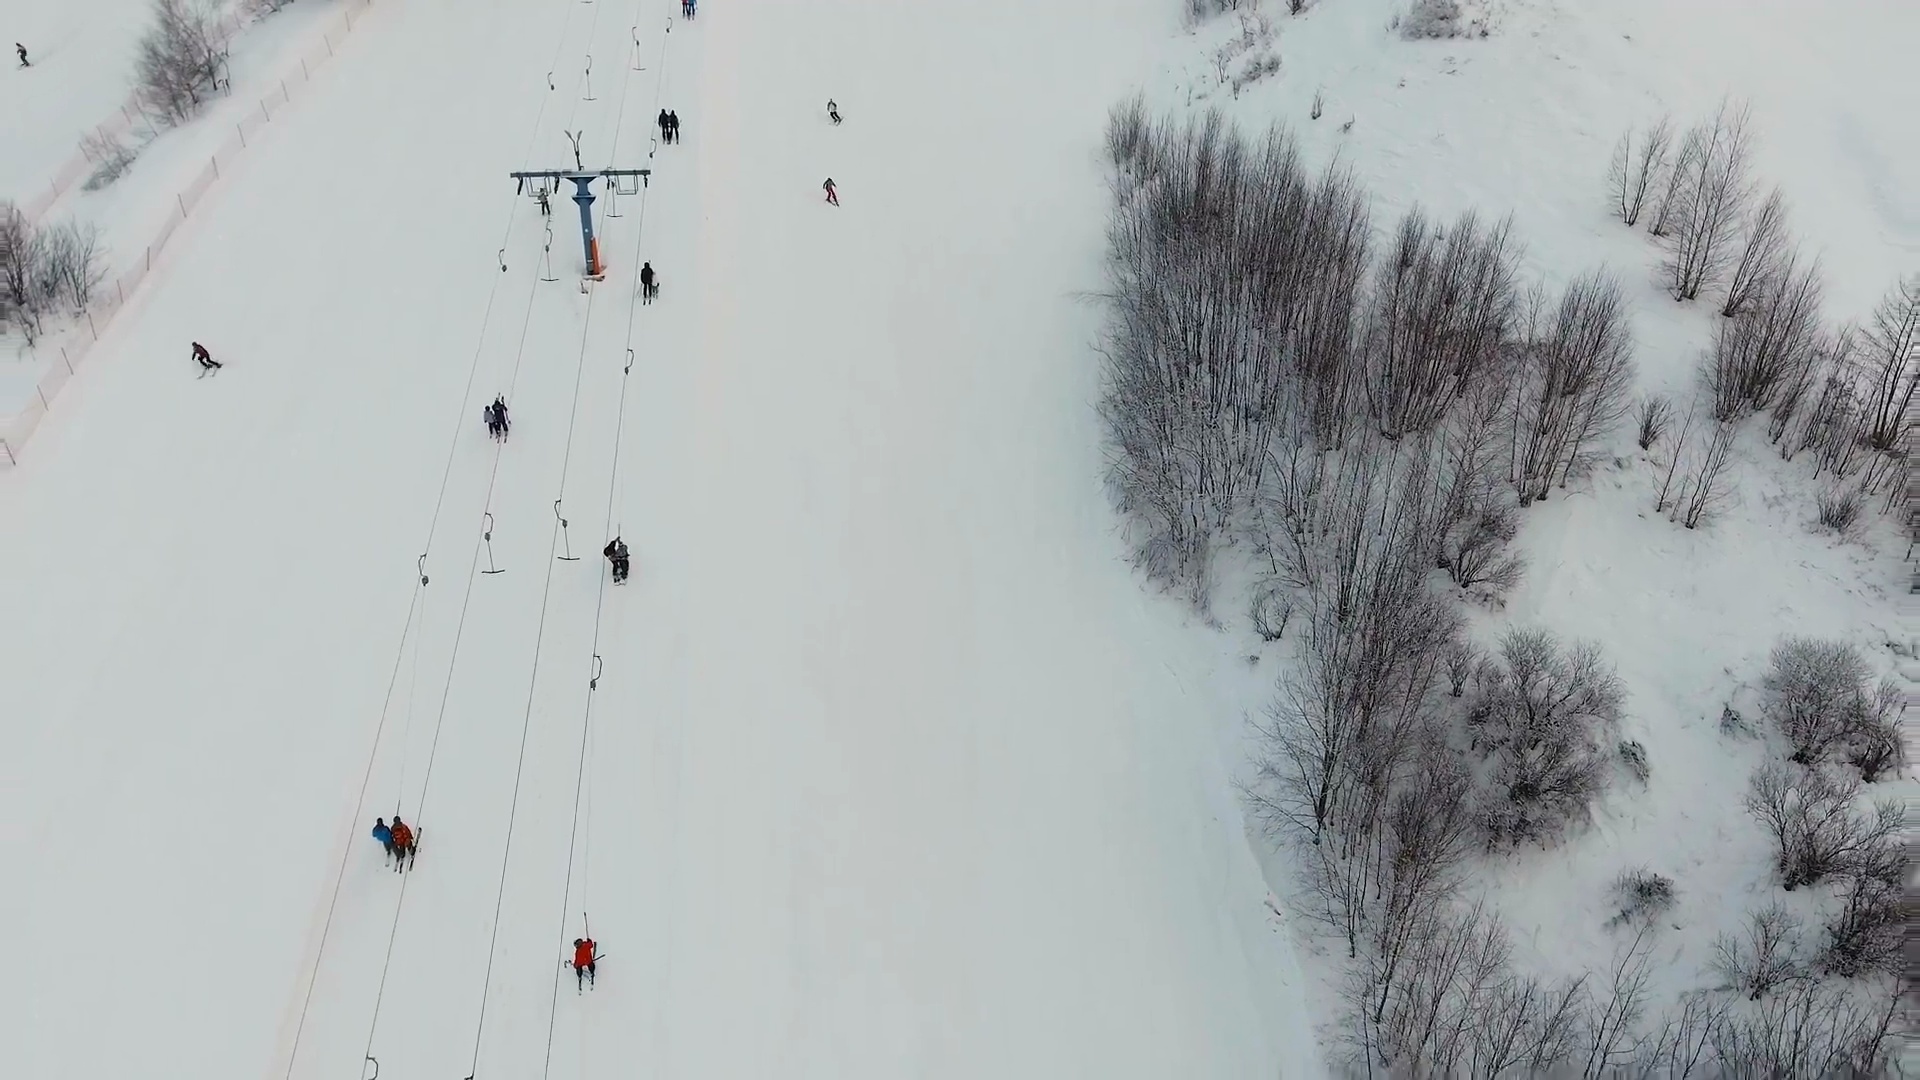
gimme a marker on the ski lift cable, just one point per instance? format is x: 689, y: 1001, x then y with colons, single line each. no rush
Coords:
x: 415, y: 614
x: 582, y: 792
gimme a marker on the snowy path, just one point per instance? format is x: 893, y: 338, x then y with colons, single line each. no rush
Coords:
x: 887, y: 772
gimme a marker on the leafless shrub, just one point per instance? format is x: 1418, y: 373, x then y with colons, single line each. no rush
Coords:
x: 1839, y: 508
x: 1674, y: 196
x: 1641, y: 896
x: 22, y: 271
x: 1732, y: 723
x: 1891, y: 363
x: 180, y: 60
x: 1703, y: 492
x: 73, y: 260
x: 1655, y: 413
x: 1820, y: 694
x: 1768, y: 955
x: 1875, y: 746
x: 1808, y: 1029
x: 1816, y: 831
x: 1475, y: 551
x: 1680, y: 1046
x: 1763, y: 256
x: 1610, y: 1021
x: 1443, y: 303
x: 1570, y: 388
x: 1462, y: 658
x: 1765, y: 349
x: 1637, y: 169
x: 111, y: 157
x: 1258, y: 67
x: 1272, y: 607
x: 1713, y: 199
x: 1867, y: 933
x: 1634, y: 757
x: 1432, y: 19
x: 1548, y: 710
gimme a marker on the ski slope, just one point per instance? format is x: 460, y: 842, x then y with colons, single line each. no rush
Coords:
x: 878, y: 766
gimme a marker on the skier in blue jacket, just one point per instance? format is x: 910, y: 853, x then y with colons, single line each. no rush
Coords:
x: 383, y: 834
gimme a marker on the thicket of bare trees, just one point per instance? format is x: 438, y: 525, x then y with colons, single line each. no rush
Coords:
x: 181, y: 60
x: 45, y: 271
x: 1843, y: 394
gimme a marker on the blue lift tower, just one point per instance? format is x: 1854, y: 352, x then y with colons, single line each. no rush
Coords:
x: 541, y: 184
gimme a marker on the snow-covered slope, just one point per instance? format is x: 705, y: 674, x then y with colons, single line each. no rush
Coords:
x: 886, y: 770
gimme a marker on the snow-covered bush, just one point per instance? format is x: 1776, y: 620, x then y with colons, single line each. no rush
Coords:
x: 1822, y: 697
x: 1838, y: 508
x: 1634, y: 756
x: 111, y: 159
x: 1877, y: 747
x: 1432, y: 19
x: 1656, y: 412
x: 1867, y: 933
x: 1767, y: 955
x: 1816, y: 830
x: 1271, y: 609
x: 1463, y: 658
x: 1549, y: 712
x: 1641, y: 896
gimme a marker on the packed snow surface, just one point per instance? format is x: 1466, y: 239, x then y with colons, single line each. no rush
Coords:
x: 886, y: 767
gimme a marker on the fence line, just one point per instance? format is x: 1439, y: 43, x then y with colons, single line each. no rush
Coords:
x: 112, y: 296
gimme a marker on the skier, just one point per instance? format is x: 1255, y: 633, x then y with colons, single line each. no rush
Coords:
x: 832, y: 195
x: 673, y: 122
x: 583, y: 960
x: 546, y: 205
x: 833, y: 112
x: 666, y: 127
x: 403, y: 846
x: 616, y: 553
x: 649, y: 285
x: 384, y: 835
x: 207, y: 362
x: 496, y: 415
x: 22, y: 50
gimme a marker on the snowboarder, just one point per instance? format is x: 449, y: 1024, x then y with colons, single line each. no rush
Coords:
x: 207, y: 362
x: 616, y: 553
x: 666, y: 127
x: 546, y: 204
x: 583, y: 960
x: 22, y: 50
x: 496, y: 415
x: 649, y: 284
x: 833, y: 112
x: 832, y: 195
x: 384, y: 835
x: 403, y: 845
x: 673, y: 122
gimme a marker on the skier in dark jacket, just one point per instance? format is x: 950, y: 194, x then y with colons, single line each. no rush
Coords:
x: 673, y: 123
x: 22, y: 50
x: 496, y: 415
x: 649, y: 284
x: 833, y: 112
x: 207, y: 362
x: 666, y: 127
x: 616, y: 553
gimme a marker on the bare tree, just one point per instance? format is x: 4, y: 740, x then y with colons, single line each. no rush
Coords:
x: 1637, y: 169
x: 1571, y: 387
x: 1809, y: 1029
x: 1766, y: 348
x: 1891, y: 361
x: 1681, y: 1045
x: 73, y: 258
x: 1716, y: 193
x: 1676, y: 191
x: 1815, y: 829
x: 1642, y: 896
x: 1766, y: 956
x: 1703, y: 492
x: 1667, y: 497
x: 180, y: 59
x: 1762, y: 256
x: 23, y: 273
x: 1867, y: 933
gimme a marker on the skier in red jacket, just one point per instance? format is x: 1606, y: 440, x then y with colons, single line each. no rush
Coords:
x: 583, y: 959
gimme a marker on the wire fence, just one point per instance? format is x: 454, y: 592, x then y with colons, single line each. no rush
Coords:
x: 92, y: 324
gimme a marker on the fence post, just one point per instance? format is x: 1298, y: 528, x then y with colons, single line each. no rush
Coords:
x: 215, y: 162
x: 8, y: 447
x: 243, y: 135
x: 181, y: 201
x: 67, y: 360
